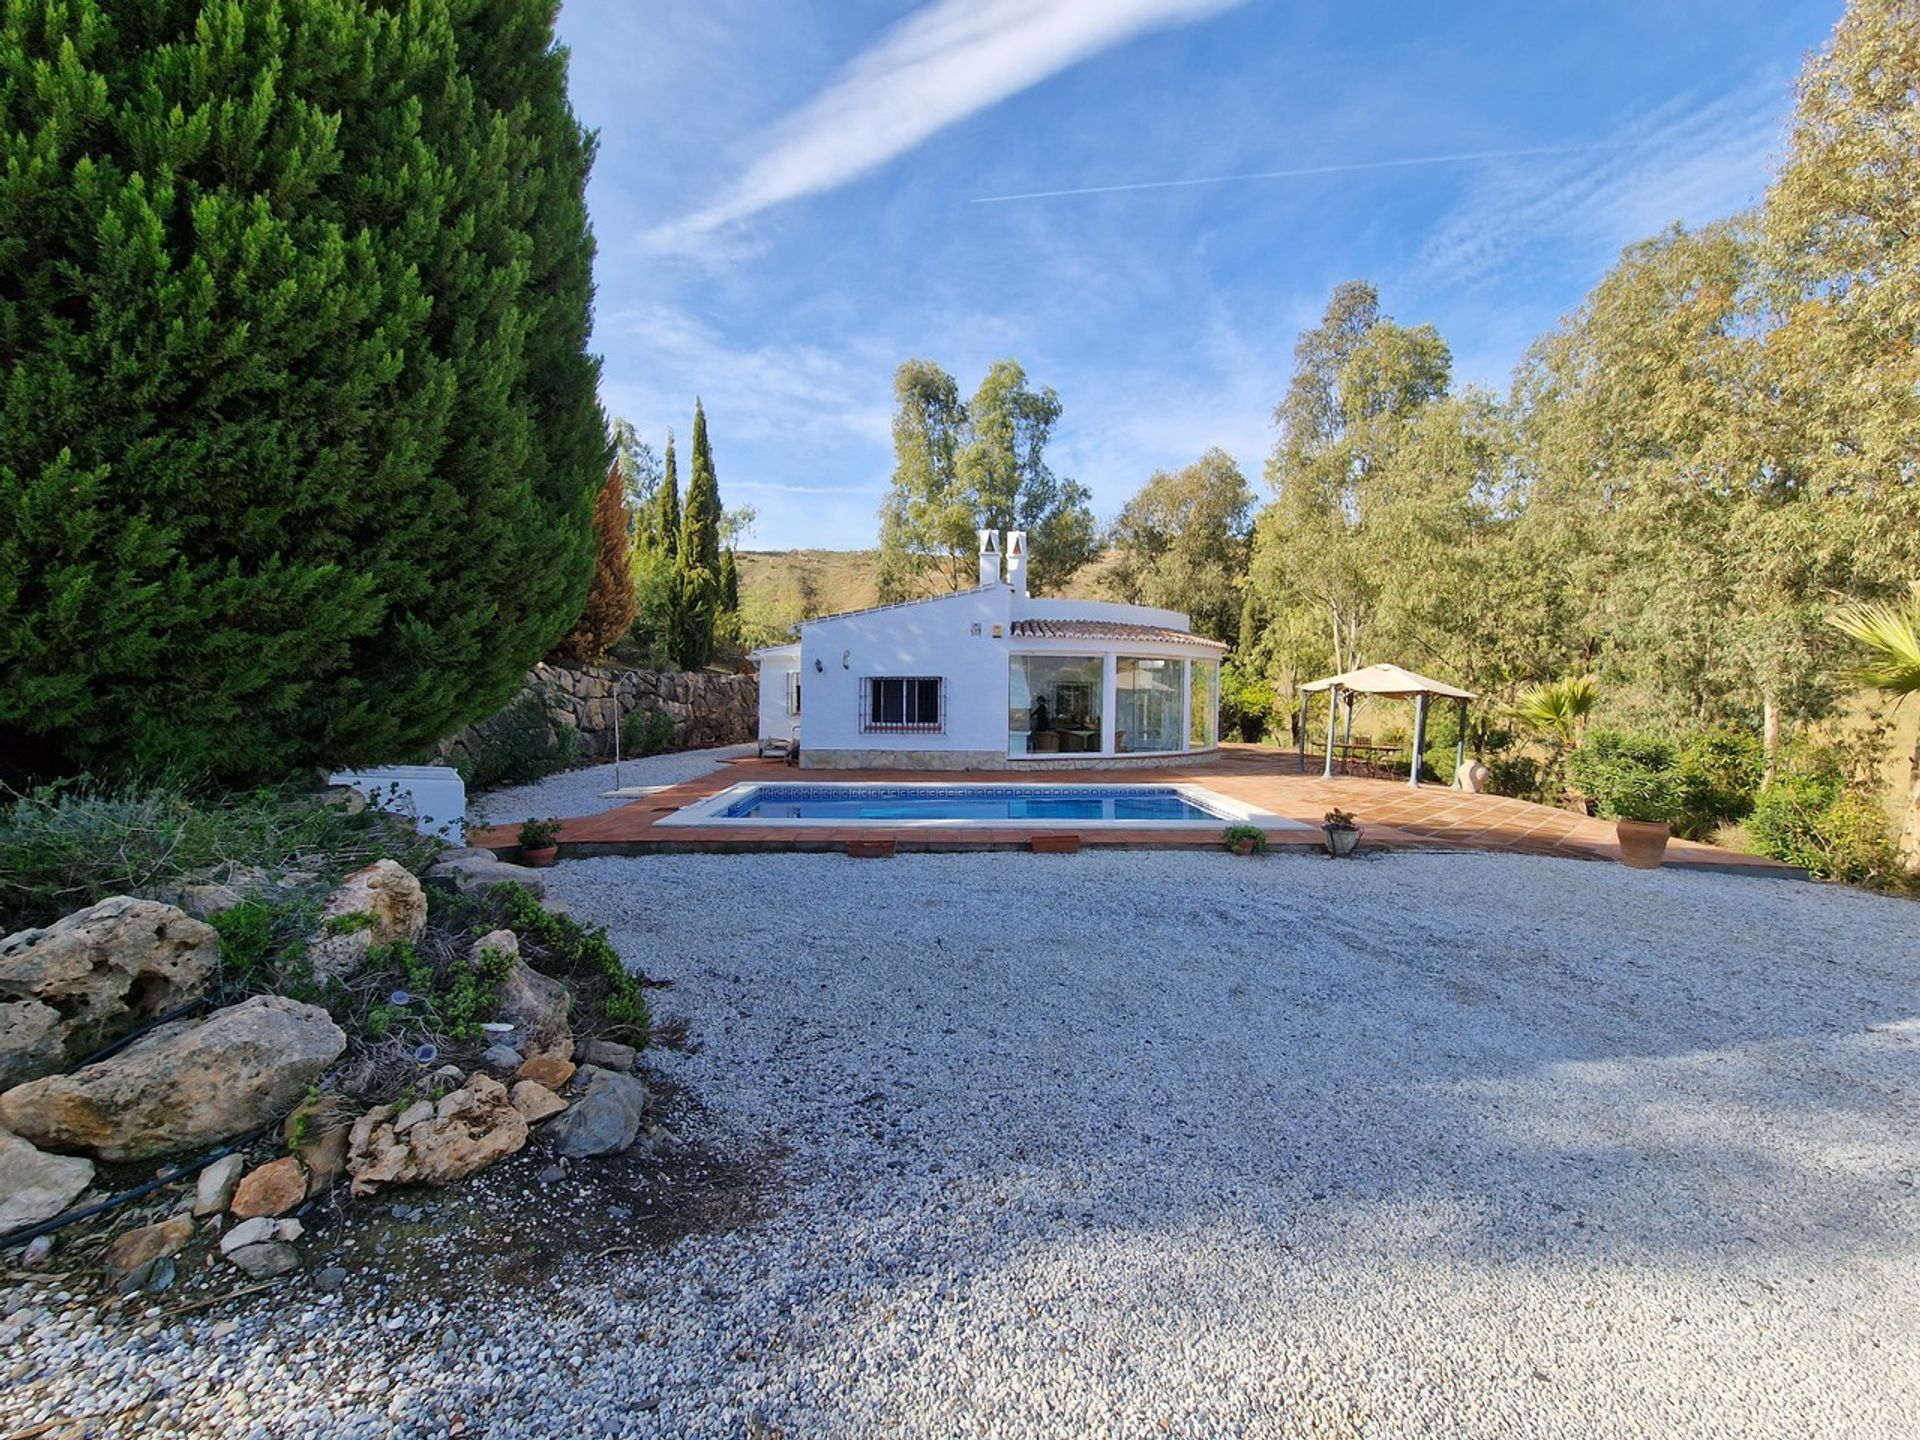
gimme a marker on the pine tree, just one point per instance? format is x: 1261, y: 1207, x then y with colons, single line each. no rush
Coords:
x: 699, y: 556
x: 299, y: 437
x: 610, y: 596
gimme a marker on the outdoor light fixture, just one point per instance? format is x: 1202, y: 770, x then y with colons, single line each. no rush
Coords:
x: 846, y: 659
x: 819, y: 665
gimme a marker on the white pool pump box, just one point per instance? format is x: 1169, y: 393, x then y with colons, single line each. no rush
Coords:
x: 434, y: 797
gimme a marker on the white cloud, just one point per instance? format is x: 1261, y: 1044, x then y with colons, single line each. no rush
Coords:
x: 1682, y: 162
x: 943, y: 63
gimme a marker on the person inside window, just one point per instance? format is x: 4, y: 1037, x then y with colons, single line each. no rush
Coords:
x: 1041, y: 721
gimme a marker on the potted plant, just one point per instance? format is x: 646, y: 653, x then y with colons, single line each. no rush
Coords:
x: 539, y: 843
x: 1342, y: 834
x: 1244, y: 839
x: 1635, y: 782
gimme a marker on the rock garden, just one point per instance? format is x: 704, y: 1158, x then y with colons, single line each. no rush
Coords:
x: 248, y: 1074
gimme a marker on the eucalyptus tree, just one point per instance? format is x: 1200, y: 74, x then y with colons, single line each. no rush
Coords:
x: 1182, y: 542
x: 963, y: 467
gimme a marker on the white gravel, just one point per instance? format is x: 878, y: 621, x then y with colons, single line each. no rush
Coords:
x: 1172, y: 1144
x: 573, y: 793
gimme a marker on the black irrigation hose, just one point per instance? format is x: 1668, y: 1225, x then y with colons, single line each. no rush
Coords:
x: 125, y: 1040
x: 60, y: 1222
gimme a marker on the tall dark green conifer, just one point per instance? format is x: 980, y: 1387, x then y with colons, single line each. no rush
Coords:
x: 299, y: 437
x: 666, y: 518
x: 699, y: 558
x: 729, y: 583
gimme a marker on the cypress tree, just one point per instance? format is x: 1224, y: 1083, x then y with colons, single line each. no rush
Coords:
x: 729, y: 583
x: 699, y: 556
x: 299, y: 438
x: 667, y: 514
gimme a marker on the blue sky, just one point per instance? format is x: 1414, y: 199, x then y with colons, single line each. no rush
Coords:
x: 792, y: 198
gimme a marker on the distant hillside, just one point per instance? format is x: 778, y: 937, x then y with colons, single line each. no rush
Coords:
x: 779, y: 588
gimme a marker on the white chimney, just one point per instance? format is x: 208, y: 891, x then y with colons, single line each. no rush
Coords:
x: 1017, y: 562
x: 989, y: 557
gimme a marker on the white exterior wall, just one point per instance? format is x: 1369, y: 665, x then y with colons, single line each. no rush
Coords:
x: 928, y: 637
x: 775, y: 667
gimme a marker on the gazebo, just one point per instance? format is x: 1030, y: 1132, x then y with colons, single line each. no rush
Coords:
x: 1391, y: 683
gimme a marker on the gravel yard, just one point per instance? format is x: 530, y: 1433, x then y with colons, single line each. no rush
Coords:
x: 573, y: 793
x: 1166, y: 1143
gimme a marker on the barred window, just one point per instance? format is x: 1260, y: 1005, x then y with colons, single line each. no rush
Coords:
x: 904, y: 703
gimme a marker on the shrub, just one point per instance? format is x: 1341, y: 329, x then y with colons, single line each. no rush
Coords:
x: 1628, y: 777
x: 653, y: 734
x: 582, y: 957
x: 1233, y: 835
x: 302, y: 434
x: 539, y: 834
x: 1720, y: 774
x: 1815, y: 822
x: 517, y: 746
x: 66, y: 846
x: 1517, y: 775
x: 1247, y: 704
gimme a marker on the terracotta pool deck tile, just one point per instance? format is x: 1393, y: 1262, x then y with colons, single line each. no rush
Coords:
x: 1391, y: 815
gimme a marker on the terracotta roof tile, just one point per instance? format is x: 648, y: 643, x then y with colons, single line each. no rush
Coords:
x: 1106, y: 630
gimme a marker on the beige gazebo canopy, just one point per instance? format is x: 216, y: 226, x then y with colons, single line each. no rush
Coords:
x: 1390, y: 682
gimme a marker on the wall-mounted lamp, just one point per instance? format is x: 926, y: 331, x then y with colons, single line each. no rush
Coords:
x: 846, y: 659
x: 819, y: 665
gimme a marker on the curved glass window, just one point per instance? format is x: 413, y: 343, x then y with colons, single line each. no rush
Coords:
x: 1053, y: 704
x: 1147, y: 694
x: 1203, y: 723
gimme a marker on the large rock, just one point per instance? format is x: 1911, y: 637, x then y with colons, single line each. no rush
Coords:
x: 471, y: 1128
x: 94, y: 976
x: 34, y: 1185
x: 375, y: 906
x: 604, y: 1120
x: 535, y: 1004
x: 190, y: 1083
x: 477, y: 872
x: 272, y: 1189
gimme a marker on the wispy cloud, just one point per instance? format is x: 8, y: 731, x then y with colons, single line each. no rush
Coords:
x: 1295, y: 174
x: 945, y: 62
x: 1686, y: 161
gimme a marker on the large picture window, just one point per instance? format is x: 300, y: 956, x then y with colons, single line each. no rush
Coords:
x: 1054, y: 704
x: 1147, y: 703
x: 907, y: 703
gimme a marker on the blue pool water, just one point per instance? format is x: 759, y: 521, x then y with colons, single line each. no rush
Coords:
x: 1140, y: 804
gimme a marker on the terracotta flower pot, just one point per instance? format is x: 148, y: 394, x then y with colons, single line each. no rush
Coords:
x: 1643, y: 843
x: 1243, y: 847
x: 541, y: 858
x: 1341, y: 838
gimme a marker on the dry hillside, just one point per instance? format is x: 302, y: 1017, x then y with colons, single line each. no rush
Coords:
x: 780, y: 587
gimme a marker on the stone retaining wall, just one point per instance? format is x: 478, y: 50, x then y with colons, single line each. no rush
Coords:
x: 704, y: 709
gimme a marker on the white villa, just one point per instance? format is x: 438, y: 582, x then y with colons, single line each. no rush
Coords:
x: 994, y: 679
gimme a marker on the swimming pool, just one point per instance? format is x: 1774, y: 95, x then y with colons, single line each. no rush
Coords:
x: 949, y: 804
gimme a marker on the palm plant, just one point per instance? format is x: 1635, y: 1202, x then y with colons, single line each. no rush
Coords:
x: 1890, y: 637
x: 1557, y: 711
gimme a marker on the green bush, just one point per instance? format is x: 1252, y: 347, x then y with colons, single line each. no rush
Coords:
x: 299, y: 435
x: 66, y: 846
x: 647, y: 734
x: 1629, y: 777
x: 517, y: 746
x: 1720, y: 775
x: 1519, y: 776
x: 584, y: 958
x: 1815, y: 822
x: 1247, y: 705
